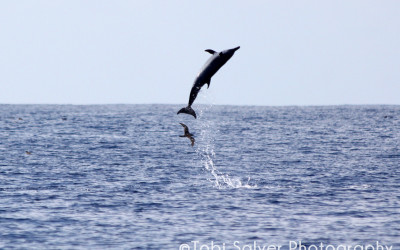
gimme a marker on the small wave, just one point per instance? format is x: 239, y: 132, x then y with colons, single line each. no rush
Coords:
x: 360, y: 187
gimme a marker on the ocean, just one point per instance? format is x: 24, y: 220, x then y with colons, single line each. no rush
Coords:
x: 120, y: 177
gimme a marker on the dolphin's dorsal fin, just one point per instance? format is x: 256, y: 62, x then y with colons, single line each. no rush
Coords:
x: 212, y: 52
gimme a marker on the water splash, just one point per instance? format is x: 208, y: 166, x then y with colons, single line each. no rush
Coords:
x: 207, y: 155
x: 219, y: 179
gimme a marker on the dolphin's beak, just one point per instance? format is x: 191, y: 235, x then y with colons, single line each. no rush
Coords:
x: 234, y: 49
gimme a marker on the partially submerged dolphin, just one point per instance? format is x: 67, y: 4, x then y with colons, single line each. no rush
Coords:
x: 187, y: 133
x: 216, y: 61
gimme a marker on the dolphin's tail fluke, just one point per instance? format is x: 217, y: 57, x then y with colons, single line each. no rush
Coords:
x: 187, y: 110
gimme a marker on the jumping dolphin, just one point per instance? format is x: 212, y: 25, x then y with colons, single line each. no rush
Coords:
x: 187, y: 134
x: 216, y: 61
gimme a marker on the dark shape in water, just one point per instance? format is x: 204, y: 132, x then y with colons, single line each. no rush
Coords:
x: 216, y: 61
x: 187, y: 133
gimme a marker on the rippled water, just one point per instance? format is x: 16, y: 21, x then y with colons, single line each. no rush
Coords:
x: 120, y: 177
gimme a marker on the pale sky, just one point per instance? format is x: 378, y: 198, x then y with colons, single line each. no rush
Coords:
x: 142, y: 52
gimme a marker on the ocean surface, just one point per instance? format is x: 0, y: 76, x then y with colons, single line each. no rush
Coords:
x: 120, y: 177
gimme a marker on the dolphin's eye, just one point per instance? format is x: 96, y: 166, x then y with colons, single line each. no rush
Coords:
x: 220, y: 53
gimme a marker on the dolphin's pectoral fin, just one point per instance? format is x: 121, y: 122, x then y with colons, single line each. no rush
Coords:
x: 208, y: 83
x: 212, y: 52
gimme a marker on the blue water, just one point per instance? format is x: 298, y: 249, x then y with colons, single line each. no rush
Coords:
x: 120, y: 177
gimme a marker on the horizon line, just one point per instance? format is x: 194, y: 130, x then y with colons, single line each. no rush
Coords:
x: 202, y: 104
